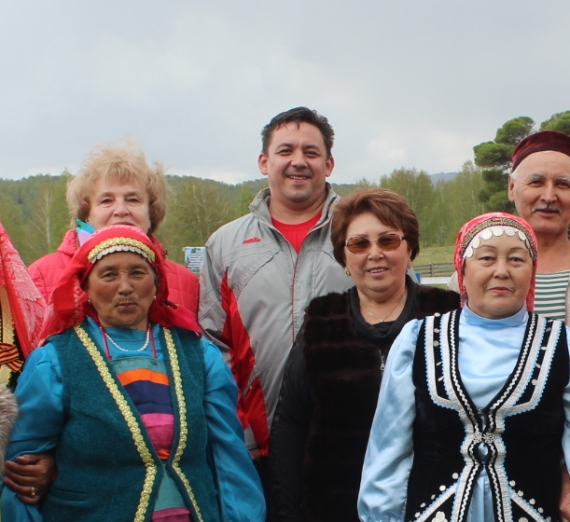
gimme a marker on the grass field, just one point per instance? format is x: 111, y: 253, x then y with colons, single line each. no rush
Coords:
x: 435, y: 255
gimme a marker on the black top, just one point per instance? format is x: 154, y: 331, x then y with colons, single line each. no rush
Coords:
x: 327, y: 403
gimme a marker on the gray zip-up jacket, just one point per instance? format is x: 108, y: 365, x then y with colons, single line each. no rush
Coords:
x: 254, y: 291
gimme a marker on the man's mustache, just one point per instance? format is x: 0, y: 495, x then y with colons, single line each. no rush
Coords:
x: 546, y: 208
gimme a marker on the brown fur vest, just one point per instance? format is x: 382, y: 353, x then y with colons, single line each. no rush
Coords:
x: 345, y: 373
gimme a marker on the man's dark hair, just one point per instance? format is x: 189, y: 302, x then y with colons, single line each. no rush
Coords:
x: 298, y: 115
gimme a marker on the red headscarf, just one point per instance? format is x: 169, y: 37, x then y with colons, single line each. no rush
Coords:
x: 70, y: 302
x: 21, y: 303
x: 490, y: 220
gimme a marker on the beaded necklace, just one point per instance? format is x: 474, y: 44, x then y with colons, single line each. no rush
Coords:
x: 149, y: 337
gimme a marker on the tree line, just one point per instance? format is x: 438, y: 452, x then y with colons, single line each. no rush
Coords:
x: 34, y: 211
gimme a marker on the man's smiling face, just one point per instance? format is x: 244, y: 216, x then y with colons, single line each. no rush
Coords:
x: 540, y: 189
x: 296, y: 165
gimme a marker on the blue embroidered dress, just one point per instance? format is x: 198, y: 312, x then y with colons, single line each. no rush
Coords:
x: 145, y: 380
x: 488, y: 353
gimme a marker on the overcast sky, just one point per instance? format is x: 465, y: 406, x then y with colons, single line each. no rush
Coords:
x: 409, y: 83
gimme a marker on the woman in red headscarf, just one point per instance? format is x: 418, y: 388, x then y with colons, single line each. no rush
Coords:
x: 139, y: 410
x: 474, y: 404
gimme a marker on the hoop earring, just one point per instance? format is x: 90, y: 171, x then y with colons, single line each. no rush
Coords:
x: 347, y: 272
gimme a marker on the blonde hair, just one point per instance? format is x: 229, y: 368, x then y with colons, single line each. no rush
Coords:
x: 123, y: 164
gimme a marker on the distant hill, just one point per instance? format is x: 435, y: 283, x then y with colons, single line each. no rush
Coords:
x: 445, y: 176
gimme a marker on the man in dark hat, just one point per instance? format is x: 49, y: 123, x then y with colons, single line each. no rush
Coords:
x: 539, y: 185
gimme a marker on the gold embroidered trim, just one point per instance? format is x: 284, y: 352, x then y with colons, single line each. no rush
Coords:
x: 182, y: 419
x: 130, y: 419
x: 114, y: 244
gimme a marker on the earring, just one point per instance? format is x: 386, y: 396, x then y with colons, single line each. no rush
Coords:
x: 154, y: 298
x: 346, y: 271
x: 89, y: 301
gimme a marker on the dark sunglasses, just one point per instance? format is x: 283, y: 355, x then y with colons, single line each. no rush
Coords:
x: 386, y: 242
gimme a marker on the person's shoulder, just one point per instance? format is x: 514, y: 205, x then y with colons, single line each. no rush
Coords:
x: 69, y: 244
x: 43, y: 355
x: 334, y: 302
x: 431, y: 300
x: 179, y: 270
x: 49, y: 265
x: 50, y: 260
x: 60, y: 258
x: 211, y: 354
x: 229, y: 229
x: 245, y: 229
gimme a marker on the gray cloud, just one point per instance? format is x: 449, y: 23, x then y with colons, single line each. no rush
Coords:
x: 410, y: 83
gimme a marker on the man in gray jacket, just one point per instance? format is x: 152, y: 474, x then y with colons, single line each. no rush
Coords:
x: 262, y: 270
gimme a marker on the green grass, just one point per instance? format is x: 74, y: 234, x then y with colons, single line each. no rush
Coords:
x: 442, y: 254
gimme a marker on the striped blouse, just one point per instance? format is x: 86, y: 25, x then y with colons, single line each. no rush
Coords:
x: 146, y: 381
x: 550, y: 298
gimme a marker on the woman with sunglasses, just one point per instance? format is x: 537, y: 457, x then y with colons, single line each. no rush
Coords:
x: 329, y: 393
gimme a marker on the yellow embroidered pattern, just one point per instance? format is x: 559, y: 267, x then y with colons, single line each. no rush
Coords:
x: 182, y: 417
x: 129, y: 418
x: 126, y: 242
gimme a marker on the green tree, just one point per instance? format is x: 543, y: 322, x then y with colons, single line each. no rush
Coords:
x: 50, y: 219
x: 435, y: 229
x: 514, y: 130
x: 417, y: 189
x: 559, y: 121
x: 364, y: 183
x: 245, y: 199
x: 12, y: 219
x: 491, y: 155
x: 463, y: 199
x: 453, y: 203
x: 198, y: 210
x: 495, y: 158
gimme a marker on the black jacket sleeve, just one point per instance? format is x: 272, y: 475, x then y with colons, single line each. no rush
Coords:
x: 289, y: 433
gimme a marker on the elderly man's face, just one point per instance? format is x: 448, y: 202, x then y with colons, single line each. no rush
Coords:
x: 541, y: 192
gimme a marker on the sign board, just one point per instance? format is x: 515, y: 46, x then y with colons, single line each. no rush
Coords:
x: 194, y: 257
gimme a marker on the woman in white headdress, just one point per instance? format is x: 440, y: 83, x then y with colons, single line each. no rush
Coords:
x: 472, y: 415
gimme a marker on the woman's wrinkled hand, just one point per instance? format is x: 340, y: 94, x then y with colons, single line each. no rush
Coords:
x: 30, y: 476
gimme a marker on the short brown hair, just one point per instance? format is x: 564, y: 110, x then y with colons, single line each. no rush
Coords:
x: 125, y: 164
x: 298, y: 115
x: 390, y: 208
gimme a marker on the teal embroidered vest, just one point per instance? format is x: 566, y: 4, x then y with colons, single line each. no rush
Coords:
x: 108, y: 468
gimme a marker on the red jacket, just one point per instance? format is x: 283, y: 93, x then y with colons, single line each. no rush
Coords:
x: 183, y: 285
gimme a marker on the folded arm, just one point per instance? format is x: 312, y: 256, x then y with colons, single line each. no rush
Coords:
x: 29, y: 460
